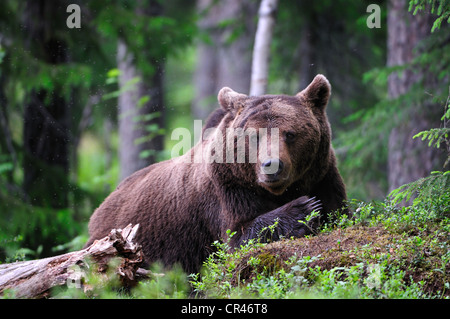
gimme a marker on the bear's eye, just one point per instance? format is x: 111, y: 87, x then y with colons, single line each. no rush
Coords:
x: 289, y: 137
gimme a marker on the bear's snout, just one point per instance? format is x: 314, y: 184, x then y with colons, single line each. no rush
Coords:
x: 274, y: 175
x: 272, y: 167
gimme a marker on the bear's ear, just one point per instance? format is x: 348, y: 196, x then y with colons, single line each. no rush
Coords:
x: 230, y: 100
x: 318, y: 91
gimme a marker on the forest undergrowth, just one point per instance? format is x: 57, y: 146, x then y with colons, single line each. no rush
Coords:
x: 383, y: 252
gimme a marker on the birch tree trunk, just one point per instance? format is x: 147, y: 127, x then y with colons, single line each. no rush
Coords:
x: 261, y: 50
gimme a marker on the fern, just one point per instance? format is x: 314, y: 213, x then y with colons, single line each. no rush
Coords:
x: 439, y: 7
x: 433, y: 186
x: 437, y: 136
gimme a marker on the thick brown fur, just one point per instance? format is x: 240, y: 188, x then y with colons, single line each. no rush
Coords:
x: 183, y: 205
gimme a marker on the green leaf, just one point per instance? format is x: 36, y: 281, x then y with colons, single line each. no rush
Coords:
x: 113, y: 73
x: 144, y: 99
x: 6, y: 167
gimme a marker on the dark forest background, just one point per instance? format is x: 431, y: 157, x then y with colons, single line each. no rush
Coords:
x: 83, y: 108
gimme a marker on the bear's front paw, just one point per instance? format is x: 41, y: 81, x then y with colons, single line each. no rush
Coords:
x: 301, y: 207
x: 289, y: 220
x: 295, y: 214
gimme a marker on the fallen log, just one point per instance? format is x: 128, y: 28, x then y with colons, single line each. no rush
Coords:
x: 36, y: 278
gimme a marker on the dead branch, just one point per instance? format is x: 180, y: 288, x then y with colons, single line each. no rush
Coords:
x: 35, y: 278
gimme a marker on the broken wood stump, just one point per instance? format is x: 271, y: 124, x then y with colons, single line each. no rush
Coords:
x: 35, y: 278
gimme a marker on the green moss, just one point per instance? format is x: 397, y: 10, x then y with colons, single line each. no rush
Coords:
x: 356, y: 262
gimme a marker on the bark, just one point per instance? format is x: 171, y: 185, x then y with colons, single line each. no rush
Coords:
x: 409, y: 159
x: 261, y: 50
x: 307, y: 54
x: 135, y: 134
x: 224, y: 60
x: 6, y: 141
x: 36, y: 278
x: 205, y: 81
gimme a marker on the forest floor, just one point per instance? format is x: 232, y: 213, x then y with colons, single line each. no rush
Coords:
x: 417, y: 257
x: 396, y: 253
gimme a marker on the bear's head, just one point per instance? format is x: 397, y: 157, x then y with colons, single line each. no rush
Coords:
x: 292, y: 136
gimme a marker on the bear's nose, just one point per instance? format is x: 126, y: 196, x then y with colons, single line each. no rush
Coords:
x: 272, y: 166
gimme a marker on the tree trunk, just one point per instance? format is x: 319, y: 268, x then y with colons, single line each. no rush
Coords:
x: 46, y: 118
x: 409, y: 159
x: 141, y: 108
x: 261, y: 49
x: 225, y: 60
x: 35, y: 278
x: 6, y: 141
x: 137, y: 132
x: 307, y: 53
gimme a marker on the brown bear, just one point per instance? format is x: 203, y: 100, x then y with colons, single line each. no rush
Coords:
x: 186, y: 203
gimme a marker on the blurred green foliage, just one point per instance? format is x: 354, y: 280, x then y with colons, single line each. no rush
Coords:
x: 89, y: 82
